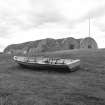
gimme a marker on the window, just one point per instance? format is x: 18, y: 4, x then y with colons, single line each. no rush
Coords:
x: 71, y: 46
x: 89, y: 46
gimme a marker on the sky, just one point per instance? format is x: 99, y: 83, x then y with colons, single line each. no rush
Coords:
x: 29, y: 20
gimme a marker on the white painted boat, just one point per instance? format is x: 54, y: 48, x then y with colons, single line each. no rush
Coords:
x: 44, y: 63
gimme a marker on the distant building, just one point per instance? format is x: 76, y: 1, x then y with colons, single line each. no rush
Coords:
x: 88, y: 43
x: 49, y: 45
x: 70, y: 44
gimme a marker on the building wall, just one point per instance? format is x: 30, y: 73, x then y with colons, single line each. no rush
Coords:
x: 48, y: 45
x: 70, y: 44
x: 88, y: 43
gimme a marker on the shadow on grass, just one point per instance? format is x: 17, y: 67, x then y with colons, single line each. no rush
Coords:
x: 44, y: 70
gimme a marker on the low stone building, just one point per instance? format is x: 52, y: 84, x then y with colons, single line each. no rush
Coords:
x: 49, y: 45
x: 88, y: 43
x: 70, y: 44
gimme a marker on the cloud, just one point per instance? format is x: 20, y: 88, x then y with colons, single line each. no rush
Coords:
x: 46, y: 17
x: 100, y: 24
x: 16, y: 17
x: 23, y: 15
x: 97, y: 12
x: 12, y: 17
x: 44, y: 12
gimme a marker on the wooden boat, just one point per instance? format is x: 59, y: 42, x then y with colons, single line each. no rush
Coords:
x: 47, y: 63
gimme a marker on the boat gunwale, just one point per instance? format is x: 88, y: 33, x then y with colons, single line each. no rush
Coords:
x: 49, y: 63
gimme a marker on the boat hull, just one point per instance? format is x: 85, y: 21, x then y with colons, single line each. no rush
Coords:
x: 70, y: 66
x: 48, y: 66
x: 41, y: 66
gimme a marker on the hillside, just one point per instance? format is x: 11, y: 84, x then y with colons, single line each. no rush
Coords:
x: 85, y: 86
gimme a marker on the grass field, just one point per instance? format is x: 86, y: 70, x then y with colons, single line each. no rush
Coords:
x: 85, y: 86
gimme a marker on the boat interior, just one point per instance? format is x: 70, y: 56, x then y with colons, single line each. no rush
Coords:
x: 43, y: 60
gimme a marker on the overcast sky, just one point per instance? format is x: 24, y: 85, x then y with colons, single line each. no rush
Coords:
x: 27, y: 20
